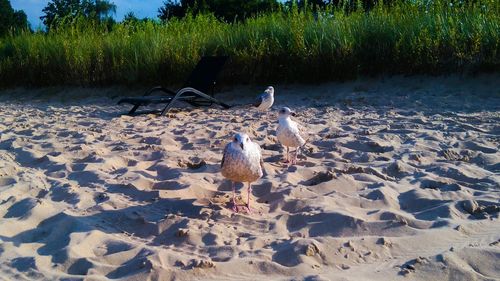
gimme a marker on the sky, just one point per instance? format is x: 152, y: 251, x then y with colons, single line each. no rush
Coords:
x: 141, y: 8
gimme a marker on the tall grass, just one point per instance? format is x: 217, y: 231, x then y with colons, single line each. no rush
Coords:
x: 291, y: 46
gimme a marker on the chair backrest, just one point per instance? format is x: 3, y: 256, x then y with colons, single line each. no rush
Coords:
x: 204, y: 75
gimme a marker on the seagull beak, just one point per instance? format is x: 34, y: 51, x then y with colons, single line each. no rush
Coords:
x: 242, y: 147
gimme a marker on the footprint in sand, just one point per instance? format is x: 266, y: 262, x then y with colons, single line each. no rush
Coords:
x: 6, y: 181
x: 319, y: 178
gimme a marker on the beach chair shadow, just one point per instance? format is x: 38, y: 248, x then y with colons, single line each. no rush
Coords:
x: 198, y: 90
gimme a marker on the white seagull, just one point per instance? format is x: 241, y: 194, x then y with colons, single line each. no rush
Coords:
x: 242, y: 162
x: 288, y: 133
x: 265, y: 100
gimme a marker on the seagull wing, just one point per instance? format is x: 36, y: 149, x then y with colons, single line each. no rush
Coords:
x: 259, y: 100
x: 302, y: 131
x: 224, y: 155
x: 261, y: 159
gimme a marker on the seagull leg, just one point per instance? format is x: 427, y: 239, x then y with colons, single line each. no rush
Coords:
x: 235, y: 206
x: 290, y: 157
x: 294, y: 161
x: 287, y: 158
x: 248, y: 199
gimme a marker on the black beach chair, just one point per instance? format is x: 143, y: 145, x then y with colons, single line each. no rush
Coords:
x: 197, y: 91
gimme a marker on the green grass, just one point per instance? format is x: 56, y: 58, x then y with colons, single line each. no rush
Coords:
x: 292, y: 46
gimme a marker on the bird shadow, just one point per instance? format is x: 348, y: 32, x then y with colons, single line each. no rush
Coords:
x: 226, y: 186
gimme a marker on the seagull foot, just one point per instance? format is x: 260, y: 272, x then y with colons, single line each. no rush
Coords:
x: 235, y: 209
x: 238, y: 208
x: 248, y: 209
x: 294, y: 159
x: 235, y: 205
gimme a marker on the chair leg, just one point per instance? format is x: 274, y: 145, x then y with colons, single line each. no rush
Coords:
x: 166, y: 108
x: 226, y: 106
x: 158, y: 88
x: 132, y: 111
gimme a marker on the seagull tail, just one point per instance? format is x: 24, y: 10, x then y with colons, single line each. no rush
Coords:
x: 302, y: 147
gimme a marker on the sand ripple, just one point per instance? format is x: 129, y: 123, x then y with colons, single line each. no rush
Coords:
x: 400, y: 179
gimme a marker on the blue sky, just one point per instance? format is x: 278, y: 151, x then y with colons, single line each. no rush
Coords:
x: 141, y: 8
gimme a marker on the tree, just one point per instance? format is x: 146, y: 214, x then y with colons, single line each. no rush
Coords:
x: 20, y: 19
x: 173, y: 9
x: 131, y: 19
x: 228, y: 10
x: 347, y: 5
x: 59, y: 11
x: 11, y: 19
x: 105, y: 8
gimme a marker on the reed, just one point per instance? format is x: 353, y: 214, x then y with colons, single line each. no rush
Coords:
x: 283, y: 46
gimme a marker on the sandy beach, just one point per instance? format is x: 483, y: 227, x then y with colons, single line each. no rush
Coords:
x: 400, y: 180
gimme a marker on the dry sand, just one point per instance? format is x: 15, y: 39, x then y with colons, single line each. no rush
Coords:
x: 400, y: 181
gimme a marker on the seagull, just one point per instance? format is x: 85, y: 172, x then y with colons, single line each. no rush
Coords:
x: 288, y: 133
x: 242, y: 162
x: 265, y: 100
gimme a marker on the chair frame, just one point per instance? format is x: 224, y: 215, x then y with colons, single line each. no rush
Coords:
x: 186, y: 94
